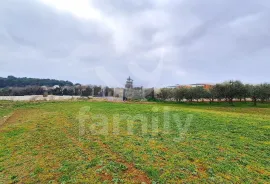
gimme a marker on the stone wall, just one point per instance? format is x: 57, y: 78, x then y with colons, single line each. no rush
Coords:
x: 118, y: 92
x: 38, y: 98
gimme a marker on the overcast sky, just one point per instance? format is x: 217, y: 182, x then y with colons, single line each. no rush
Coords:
x: 156, y: 42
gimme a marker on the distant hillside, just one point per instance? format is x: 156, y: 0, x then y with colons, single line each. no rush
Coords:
x: 12, y: 81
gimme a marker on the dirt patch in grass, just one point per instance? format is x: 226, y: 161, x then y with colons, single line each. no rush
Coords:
x: 4, y: 120
x: 135, y: 174
x: 14, y: 117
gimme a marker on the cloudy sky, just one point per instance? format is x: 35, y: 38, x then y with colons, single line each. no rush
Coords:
x: 156, y: 42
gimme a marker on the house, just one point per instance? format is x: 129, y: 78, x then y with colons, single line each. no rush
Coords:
x: 204, y: 85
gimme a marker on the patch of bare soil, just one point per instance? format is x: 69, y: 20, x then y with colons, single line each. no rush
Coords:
x: 4, y: 120
x: 135, y: 174
x: 17, y: 116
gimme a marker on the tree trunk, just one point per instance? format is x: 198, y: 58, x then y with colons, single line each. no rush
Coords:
x: 231, y: 100
x: 255, y: 101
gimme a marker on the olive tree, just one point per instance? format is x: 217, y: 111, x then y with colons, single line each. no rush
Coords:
x: 165, y: 93
x: 191, y: 94
x: 218, y: 92
x: 254, y: 91
x: 232, y: 90
x: 198, y: 93
x: 179, y: 94
x: 264, y: 92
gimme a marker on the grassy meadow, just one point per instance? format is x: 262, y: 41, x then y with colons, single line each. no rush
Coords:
x: 105, y: 142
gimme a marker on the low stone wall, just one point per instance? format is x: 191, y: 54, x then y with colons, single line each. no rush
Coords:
x: 39, y: 98
x: 57, y: 98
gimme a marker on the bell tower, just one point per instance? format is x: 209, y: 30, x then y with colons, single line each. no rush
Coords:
x: 129, y: 83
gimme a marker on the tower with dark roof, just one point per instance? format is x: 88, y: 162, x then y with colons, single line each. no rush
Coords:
x: 129, y: 83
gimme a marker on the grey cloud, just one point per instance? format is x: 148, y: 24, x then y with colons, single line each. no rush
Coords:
x: 32, y: 24
x: 203, y: 41
x: 122, y: 6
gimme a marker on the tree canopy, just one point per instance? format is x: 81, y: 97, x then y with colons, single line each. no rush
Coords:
x: 226, y: 91
x: 12, y: 81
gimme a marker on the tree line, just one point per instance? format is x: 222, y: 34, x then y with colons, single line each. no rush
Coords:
x: 77, y: 90
x: 229, y: 91
x: 12, y: 81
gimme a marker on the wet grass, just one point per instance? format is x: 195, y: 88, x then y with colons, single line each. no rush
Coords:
x: 66, y: 142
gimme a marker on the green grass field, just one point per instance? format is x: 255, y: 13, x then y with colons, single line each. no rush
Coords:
x: 103, y: 142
